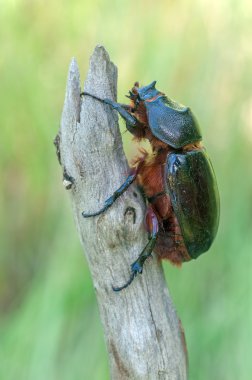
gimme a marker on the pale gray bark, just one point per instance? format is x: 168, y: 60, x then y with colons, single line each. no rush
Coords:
x: 142, y: 331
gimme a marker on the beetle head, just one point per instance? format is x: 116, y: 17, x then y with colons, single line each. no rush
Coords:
x: 145, y: 93
x: 148, y: 92
x: 133, y: 93
x: 141, y: 94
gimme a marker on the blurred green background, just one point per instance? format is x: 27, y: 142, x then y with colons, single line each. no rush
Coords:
x: 200, y: 52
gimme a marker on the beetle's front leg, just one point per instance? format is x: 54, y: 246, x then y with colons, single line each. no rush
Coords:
x: 123, y: 111
x: 152, y: 227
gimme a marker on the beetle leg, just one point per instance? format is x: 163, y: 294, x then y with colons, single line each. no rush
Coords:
x: 122, y: 109
x: 106, y: 100
x: 116, y: 194
x: 137, y: 267
x: 126, y: 107
x: 130, y: 179
x: 131, y: 121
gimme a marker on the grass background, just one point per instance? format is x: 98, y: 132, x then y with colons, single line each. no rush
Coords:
x: 200, y: 53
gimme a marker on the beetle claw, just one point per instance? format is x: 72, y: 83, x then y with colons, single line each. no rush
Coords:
x: 136, y: 268
x: 119, y: 288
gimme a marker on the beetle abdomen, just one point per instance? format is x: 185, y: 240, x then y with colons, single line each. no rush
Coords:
x: 191, y: 185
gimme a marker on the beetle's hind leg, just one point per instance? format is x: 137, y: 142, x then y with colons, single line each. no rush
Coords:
x: 137, y: 267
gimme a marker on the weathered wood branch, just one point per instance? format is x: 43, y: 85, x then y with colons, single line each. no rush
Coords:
x: 142, y: 331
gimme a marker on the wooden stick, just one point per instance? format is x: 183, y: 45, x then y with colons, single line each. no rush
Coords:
x: 142, y: 331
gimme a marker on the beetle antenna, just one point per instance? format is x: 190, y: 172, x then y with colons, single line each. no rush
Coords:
x: 119, y: 288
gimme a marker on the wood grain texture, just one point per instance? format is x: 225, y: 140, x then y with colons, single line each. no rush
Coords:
x: 141, y: 328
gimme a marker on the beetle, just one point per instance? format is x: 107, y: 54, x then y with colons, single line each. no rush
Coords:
x: 176, y: 178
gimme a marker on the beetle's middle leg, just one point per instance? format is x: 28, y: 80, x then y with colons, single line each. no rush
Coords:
x: 130, y: 179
